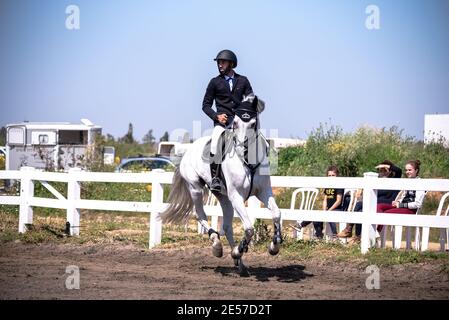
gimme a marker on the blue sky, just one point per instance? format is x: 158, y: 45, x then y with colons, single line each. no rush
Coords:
x: 149, y: 62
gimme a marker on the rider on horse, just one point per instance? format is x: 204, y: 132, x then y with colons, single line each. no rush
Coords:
x: 227, y: 89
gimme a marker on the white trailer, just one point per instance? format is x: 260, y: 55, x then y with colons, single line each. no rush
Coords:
x: 436, y: 128
x: 49, y: 145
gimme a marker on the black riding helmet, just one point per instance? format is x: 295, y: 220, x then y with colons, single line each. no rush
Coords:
x: 227, y: 55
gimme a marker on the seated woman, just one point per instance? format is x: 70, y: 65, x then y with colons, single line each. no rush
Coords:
x: 386, y: 169
x: 411, y: 200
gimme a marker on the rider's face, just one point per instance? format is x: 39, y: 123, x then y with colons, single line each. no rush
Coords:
x: 224, y: 66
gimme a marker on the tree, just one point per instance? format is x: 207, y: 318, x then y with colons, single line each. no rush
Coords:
x: 164, y: 137
x: 149, y: 137
x: 2, y: 136
x: 128, y: 137
x: 110, y: 138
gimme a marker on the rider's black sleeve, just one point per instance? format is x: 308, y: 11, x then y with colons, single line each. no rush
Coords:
x: 209, y: 100
x: 248, y: 88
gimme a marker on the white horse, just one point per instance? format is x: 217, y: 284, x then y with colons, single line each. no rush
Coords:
x: 245, y: 170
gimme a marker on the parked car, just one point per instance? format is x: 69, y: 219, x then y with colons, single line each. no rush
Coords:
x: 2, y: 157
x: 142, y: 164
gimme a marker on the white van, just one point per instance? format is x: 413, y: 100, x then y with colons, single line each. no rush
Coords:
x: 173, y: 150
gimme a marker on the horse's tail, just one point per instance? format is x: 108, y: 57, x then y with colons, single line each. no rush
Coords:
x: 180, y: 202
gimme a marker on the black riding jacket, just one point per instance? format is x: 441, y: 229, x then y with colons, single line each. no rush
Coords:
x: 225, y: 100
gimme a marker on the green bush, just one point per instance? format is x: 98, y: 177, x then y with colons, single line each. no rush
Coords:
x: 359, y: 152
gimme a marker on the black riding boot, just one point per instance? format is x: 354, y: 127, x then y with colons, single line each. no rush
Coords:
x: 215, y: 173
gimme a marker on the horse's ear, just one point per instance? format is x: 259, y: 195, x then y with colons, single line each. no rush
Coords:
x: 249, y: 98
x: 260, y: 105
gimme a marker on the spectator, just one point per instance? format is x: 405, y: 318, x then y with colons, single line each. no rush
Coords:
x: 333, y: 199
x: 410, y: 201
x: 386, y: 169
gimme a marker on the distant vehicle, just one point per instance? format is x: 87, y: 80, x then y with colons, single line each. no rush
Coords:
x: 143, y: 164
x: 173, y: 150
x: 279, y: 143
x: 2, y: 157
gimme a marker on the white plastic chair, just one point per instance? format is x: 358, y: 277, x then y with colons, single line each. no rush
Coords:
x: 353, y: 200
x: 444, y: 233
x: 351, y: 206
x: 395, y: 231
x: 308, y: 198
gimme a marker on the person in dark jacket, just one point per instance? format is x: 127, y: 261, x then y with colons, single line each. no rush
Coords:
x: 227, y: 90
x: 386, y: 169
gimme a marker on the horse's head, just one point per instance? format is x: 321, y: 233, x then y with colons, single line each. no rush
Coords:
x: 245, y: 123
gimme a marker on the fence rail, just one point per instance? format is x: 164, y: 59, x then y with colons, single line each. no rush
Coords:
x: 369, y: 218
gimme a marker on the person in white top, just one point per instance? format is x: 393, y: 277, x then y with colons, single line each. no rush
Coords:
x: 411, y: 200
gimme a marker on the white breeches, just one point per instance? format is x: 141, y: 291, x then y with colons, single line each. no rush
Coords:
x: 216, y: 133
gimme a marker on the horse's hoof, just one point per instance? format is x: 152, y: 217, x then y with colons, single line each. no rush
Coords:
x: 217, y: 246
x: 235, y: 253
x: 217, y: 250
x: 273, y: 249
x: 236, y: 262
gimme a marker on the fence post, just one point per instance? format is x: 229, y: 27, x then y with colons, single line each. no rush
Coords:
x: 26, y: 193
x: 369, y: 209
x: 73, y: 194
x: 157, y: 198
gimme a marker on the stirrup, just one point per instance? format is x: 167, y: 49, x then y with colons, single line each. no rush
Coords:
x: 215, y: 185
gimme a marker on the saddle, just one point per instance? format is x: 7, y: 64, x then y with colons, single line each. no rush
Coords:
x: 220, y: 156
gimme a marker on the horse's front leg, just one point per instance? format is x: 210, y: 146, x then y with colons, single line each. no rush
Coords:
x: 228, y: 215
x: 239, y: 206
x: 266, y: 196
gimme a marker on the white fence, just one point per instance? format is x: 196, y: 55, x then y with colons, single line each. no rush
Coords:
x: 73, y: 203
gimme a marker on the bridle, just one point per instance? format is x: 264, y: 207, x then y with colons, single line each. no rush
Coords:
x: 252, y: 167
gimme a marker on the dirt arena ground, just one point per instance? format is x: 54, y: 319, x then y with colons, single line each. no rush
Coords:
x: 30, y: 271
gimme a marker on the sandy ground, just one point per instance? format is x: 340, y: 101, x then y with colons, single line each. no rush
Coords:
x: 126, y: 272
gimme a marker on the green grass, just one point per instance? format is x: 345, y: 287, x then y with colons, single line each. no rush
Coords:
x: 388, y: 256
x: 331, y: 252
